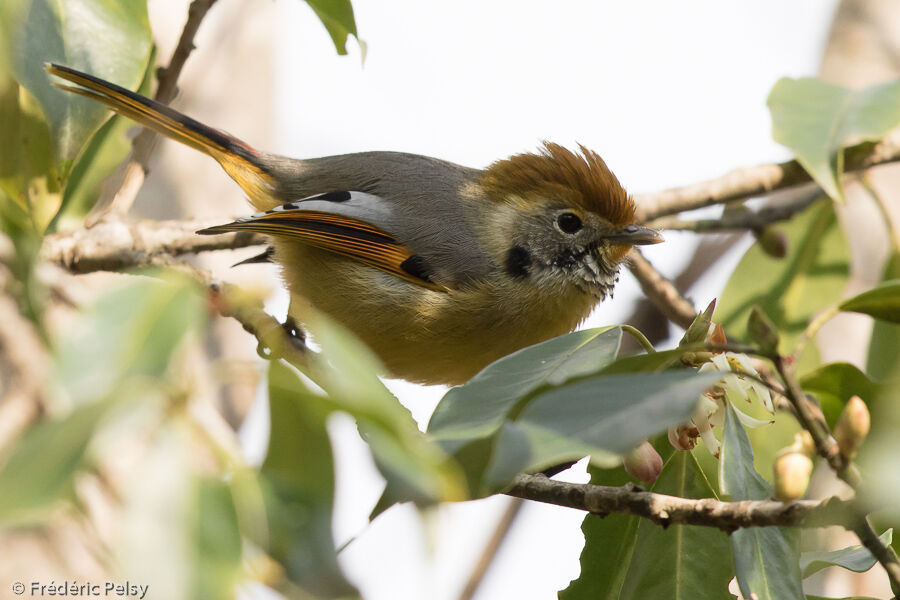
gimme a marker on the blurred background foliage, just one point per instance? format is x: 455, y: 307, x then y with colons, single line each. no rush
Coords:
x: 123, y: 446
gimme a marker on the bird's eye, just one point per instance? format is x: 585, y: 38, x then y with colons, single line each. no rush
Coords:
x: 568, y: 222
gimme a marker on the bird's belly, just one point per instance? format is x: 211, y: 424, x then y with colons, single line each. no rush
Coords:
x: 426, y: 336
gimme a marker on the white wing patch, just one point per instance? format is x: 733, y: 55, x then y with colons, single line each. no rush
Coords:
x: 358, y: 205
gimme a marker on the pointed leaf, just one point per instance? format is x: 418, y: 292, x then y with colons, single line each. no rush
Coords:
x: 854, y: 558
x: 108, y: 39
x: 608, y: 542
x: 215, y: 540
x: 833, y: 384
x: 881, y: 302
x: 129, y: 332
x: 478, y: 408
x: 815, y: 119
x: 298, y: 474
x: 765, y: 558
x: 679, y: 561
x: 337, y: 17
x: 610, y: 414
x: 415, y: 467
x: 883, y: 361
x: 41, y: 467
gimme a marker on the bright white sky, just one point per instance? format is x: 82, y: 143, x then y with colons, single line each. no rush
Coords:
x: 668, y: 92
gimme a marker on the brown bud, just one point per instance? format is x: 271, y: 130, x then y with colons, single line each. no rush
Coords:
x: 683, y: 437
x: 792, y: 471
x: 718, y: 335
x: 644, y: 463
x: 852, y: 426
x: 772, y: 241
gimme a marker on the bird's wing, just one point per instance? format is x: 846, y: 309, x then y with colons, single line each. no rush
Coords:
x: 341, y: 222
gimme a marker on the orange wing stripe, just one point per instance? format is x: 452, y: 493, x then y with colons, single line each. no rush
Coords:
x: 337, y: 233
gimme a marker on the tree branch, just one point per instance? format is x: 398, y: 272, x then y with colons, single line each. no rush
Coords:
x: 115, y: 245
x: 660, y: 290
x: 748, y: 182
x: 671, y: 510
x: 742, y: 220
x: 131, y: 173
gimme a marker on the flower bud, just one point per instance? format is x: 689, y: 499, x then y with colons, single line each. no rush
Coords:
x: 683, y: 437
x: 718, y: 335
x: 644, y: 463
x: 792, y: 471
x: 772, y: 241
x: 762, y: 330
x: 804, y: 444
x: 852, y: 426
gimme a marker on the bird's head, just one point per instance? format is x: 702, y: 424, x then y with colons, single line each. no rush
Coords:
x: 567, y: 219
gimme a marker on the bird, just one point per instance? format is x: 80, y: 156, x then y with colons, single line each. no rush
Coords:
x: 440, y: 269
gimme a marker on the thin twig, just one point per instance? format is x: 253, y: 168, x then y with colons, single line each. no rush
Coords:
x: 761, y: 180
x: 893, y: 231
x: 743, y: 220
x: 660, y: 291
x: 115, y: 245
x: 132, y: 172
x: 812, y: 419
x: 884, y: 553
x: 671, y: 510
x: 504, y: 525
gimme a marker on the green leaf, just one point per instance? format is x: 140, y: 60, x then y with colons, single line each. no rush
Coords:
x: 765, y: 558
x: 833, y: 384
x: 478, y: 408
x: 791, y: 290
x: 110, y: 39
x: 42, y: 464
x: 337, y: 17
x: 104, y: 37
x: 812, y: 597
x: 128, y: 333
x: 883, y: 361
x: 105, y: 151
x: 815, y: 119
x: 679, y: 561
x: 646, y: 363
x: 298, y: 474
x: 416, y: 468
x: 608, y: 542
x: 215, y: 540
x: 605, y: 415
x: 881, y: 302
x: 853, y: 558
x: 27, y: 171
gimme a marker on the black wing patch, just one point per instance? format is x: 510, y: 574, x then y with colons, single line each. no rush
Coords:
x: 340, y: 234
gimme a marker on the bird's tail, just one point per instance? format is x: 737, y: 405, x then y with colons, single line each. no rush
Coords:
x: 243, y: 163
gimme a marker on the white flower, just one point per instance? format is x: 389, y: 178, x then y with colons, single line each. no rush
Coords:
x: 737, y: 389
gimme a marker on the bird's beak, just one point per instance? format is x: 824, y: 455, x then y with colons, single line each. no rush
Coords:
x: 636, y: 235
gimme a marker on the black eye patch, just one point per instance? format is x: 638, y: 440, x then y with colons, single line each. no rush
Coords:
x: 518, y: 259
